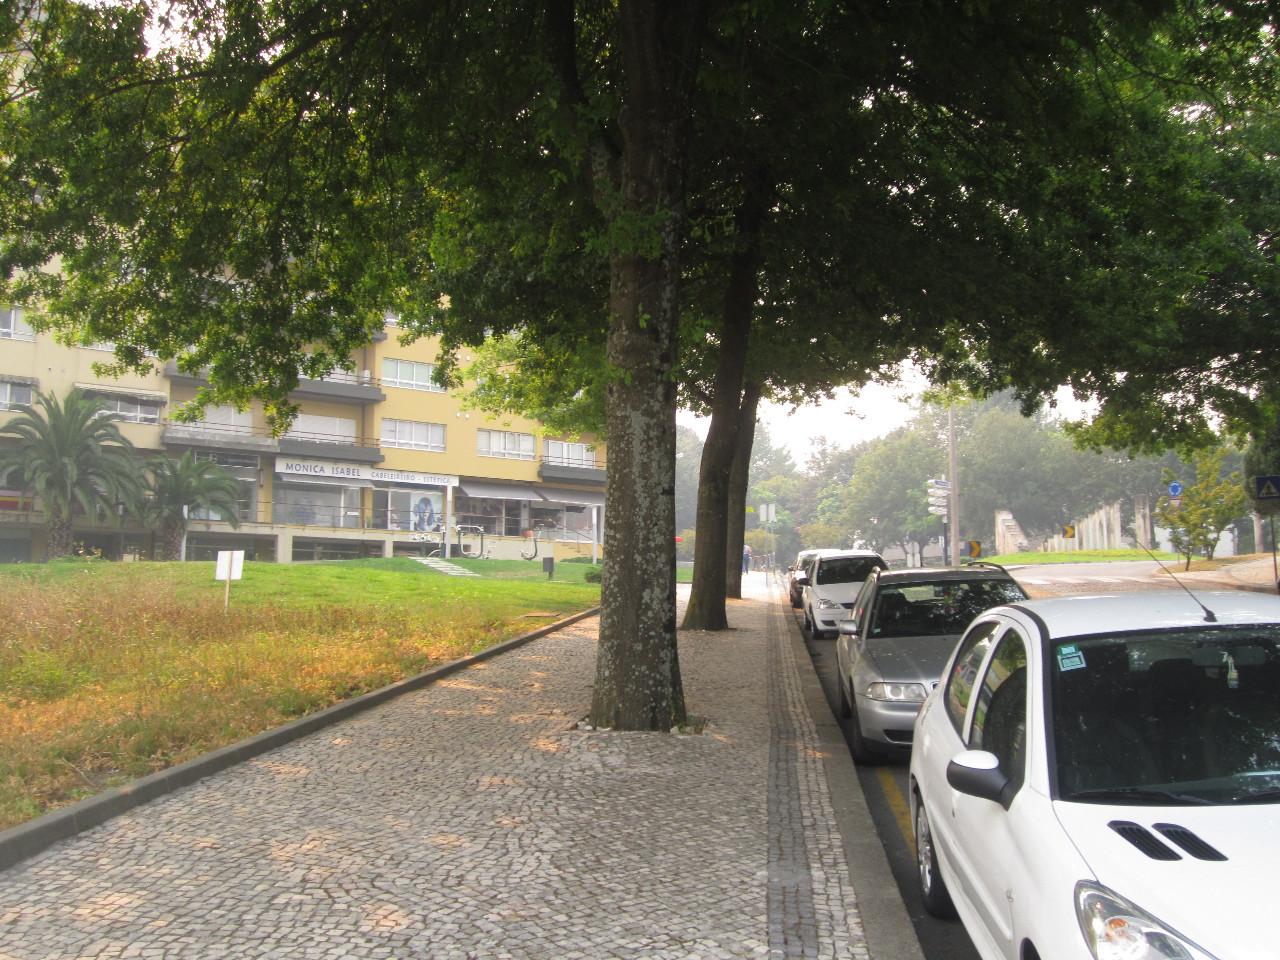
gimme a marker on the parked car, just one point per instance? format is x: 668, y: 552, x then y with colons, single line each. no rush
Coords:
x: 1098, y: 777
x: 794, y: 589
x: 891, y: 651
x: 829, y: 585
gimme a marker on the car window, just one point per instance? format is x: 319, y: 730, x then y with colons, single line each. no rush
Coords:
x: 846, y: 569
x: 864, y: 597
x: 1000, y: 717
x: 964, y: 671
x: 1183, y: 713
x: 939, y: 608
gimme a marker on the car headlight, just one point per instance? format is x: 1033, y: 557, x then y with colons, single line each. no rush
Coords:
x: 1115, y: 929
x: 905, y: 692
x: 825, y: 604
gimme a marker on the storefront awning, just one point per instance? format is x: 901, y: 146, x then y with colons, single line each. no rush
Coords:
x: 497, y: 491
x: 560, y: 495
x: 149, y: 396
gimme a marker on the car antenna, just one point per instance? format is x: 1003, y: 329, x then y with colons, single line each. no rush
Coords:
x: 1208, y: 614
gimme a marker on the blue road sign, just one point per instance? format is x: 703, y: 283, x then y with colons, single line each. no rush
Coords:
x: 1266, y: 488
x: 1175, y: 489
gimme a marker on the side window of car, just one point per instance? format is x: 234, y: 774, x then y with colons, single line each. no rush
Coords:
x: 964, y: 671
x: 863, y: 601
x: 1000, y: 717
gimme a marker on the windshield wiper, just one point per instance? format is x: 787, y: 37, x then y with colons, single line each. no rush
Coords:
x: 1262, y: 796
x: 1143, y: 795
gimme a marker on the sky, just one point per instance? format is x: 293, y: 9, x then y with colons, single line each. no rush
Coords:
x: 853, y: 416
x: 850, y: 417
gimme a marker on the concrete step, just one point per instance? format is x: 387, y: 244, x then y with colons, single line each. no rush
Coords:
x: 444, y: 566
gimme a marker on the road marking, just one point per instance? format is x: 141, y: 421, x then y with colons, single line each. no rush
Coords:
x: 1038, y: 583
x: 898, y: 805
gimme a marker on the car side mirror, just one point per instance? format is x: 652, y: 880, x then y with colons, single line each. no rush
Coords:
x: 977, y: 773
x: 802, y: 580
x: 848, y: 628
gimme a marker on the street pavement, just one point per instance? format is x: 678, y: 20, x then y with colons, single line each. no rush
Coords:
x: 477, y: 818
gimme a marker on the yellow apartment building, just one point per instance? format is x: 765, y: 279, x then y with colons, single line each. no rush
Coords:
x: 380, y: 462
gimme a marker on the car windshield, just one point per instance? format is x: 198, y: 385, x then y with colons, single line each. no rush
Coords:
x: 1167, y: 716
x: 938, y: 608
x: 846, y: 569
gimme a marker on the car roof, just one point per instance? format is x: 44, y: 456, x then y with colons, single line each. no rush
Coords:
x: 831, y: 554
x: 1085, y: 614
x: 934, y: 574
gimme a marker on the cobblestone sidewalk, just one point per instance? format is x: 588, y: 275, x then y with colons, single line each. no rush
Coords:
x: 472, y: 819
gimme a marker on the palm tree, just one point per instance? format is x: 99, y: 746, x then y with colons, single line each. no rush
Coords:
x: 174, y: 488
x: 70, y: 454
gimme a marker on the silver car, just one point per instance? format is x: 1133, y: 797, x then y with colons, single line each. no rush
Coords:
x: 892, y: 649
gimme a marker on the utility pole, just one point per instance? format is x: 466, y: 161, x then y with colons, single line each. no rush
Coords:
x: 954, y: 517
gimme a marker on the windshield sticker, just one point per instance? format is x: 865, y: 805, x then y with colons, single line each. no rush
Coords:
x: 1070, y: 658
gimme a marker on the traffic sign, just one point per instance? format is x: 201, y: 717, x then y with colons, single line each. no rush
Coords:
x: 938, y: 511
x: 1266, y: 488
x: 939, y: 499
x: 935, y: 485
x: 975, y: 547
x: 1069, y: 531
x: 1175, y: 489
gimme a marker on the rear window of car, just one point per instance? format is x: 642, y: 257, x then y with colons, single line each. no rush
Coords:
x: 847, y: 569
x: 939, y: 608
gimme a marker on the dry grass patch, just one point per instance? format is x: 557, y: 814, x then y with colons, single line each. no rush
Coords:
x: 112, y: 671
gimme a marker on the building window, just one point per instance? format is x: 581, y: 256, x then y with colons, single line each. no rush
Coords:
x: 410, y: 374
x: 129, y: 409
x: 310, y: 426
x: 226, y: 418
x: 505, y: 517
x: 501, y: 443
x: 420, y: 510
x: 314, y: 505
x: 12, y: 394
x: 244, y: 468
x: 567, y: 454
x: 413, y: 435
x: 12, y: 326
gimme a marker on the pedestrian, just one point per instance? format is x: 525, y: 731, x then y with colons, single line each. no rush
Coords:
x: 746, y: 557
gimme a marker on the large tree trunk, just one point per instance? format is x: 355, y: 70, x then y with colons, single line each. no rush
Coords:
x: 713, y: 565
x: 739, y: 477
x: 638, y: 683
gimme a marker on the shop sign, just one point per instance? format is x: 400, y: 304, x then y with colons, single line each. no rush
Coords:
x: 359, y: 471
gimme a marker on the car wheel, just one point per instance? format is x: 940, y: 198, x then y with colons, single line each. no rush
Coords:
x: 807, y: 627
x: 864, y: 751
x: 933, y: 889
x: 845, y: 709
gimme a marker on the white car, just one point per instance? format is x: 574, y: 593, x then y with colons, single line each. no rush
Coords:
x: 1099, y: 777
x: 830, y: 584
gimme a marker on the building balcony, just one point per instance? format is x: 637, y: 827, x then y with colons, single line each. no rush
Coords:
x: 362, y: 388
x: 330, y: 448
x: 219, y: 437
x: 573, y: 470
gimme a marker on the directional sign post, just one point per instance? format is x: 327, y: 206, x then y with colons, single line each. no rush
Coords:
x: 1266, y: 496
x: 1266, y: 488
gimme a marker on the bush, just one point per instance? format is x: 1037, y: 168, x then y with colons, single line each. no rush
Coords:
x: 593, y: 576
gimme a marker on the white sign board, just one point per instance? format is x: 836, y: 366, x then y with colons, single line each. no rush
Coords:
x: 230, y: 565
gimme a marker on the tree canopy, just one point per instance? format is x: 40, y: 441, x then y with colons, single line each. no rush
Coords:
x: 758, y: 196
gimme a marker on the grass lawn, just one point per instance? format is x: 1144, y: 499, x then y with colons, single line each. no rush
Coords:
x: 109, y: 671
x: 1079, y: 556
